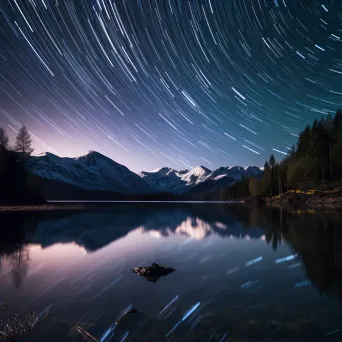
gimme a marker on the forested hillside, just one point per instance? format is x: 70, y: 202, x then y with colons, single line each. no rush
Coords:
x: 315, y: 161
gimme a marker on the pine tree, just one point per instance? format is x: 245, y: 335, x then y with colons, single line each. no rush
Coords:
x: 3, y: 139
x: 23, y: 143
x: 328, y: 125
x: 272, y: 162
x: 266, y: 167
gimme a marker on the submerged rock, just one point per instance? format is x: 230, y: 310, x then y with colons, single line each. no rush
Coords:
x: 127, y: 316
x: 152, y: 273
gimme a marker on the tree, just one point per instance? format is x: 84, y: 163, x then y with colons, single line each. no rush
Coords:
x: 292, y: 151
x: 331, y: 141
x: 252, y: 186
x: 23, y: 143
x: 272, y: 162
x: 298, y: 173
x: 3, y: 139
x: 266, y: 167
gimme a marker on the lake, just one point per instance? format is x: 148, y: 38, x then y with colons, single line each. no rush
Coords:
x: 242, y: 273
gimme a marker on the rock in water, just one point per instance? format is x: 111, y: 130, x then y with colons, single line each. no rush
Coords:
x: 125, y: 316
x: 152, y: 273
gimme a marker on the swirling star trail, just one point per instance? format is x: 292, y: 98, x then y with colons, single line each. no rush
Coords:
x: 177, y: 83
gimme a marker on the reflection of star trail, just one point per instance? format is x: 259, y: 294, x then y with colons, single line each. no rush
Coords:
x: 254, y: 261
x: 184, y: 318
x: 169, y: 304
x: 152, y: 82
x: 287, y: 258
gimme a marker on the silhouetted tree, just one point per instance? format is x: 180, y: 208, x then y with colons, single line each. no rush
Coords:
x: 23, y: 143
x: 266, y: 166
x: 3, y: 139
x: 13, y: 174
x: 272, y: 163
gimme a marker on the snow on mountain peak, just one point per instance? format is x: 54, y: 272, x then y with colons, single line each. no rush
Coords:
x: 163, y: 170
x: 200, y: 170
x: 196, y: 175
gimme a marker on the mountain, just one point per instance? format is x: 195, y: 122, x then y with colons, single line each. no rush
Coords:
x: 91, y: 172
x: 197, y: 179
x: 170, y: 180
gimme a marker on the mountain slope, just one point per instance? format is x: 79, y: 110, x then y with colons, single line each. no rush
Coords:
x: 164, y: 179
x: 211, y: 184
x: 90, y: 172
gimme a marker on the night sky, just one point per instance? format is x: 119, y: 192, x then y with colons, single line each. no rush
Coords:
x: 177, y: 83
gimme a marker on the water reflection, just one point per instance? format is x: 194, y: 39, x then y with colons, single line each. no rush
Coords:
x: 94, y: 230
x: 228, y: 281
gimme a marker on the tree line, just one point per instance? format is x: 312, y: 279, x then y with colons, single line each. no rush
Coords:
x: 14, y: 187
x: 315, y: 160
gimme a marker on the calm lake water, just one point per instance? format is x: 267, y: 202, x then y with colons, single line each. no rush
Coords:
x: 242, y: 273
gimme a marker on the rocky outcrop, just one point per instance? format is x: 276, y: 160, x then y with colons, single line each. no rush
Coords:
x: 310, y: 198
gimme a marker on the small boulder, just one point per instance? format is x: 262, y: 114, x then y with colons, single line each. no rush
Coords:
x: 152, y: 273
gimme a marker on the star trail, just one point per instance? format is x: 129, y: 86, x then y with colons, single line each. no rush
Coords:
x: 177, y: 83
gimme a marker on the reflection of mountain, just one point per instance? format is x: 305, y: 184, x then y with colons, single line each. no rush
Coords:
x: 316, y: 240
x: 196, y: 228
x: 96, y: 229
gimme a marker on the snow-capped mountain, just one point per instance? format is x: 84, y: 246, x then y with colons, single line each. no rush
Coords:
x: 170, y: 180
x: 90, y: 172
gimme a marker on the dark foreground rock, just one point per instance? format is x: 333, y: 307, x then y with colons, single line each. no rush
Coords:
x: 152, y: 273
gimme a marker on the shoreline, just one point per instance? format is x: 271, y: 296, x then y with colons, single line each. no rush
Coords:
x: 290, y: 199
x: 89, y: 205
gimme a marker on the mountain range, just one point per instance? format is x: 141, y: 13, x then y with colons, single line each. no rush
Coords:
x: 170, y: 180
x: 95, y: 176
